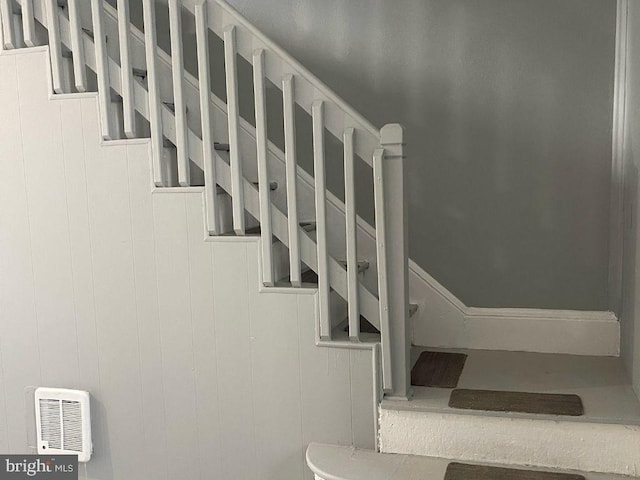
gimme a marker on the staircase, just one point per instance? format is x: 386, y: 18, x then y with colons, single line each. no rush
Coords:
x: 131, y: 80
x: 312, y: 238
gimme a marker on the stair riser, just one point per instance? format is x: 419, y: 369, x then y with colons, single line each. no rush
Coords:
x: 561, y: 444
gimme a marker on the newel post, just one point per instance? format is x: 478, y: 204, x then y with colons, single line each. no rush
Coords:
x: 396, y: 253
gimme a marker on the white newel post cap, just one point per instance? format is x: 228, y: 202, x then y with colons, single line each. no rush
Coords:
x: 392, y: 139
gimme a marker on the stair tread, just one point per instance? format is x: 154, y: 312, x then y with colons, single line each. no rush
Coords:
x: 309, y: 278
x: 340, y: 334
x: 349, y: 463
x: 365, y: 326
x: 308, y: 226
x: 363, y: 265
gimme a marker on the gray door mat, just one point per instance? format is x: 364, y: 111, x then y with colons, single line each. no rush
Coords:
x: 463, y: 471
x: 438, y: 369
x: 518, y: 402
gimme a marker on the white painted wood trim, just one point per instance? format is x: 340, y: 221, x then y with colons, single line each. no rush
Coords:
x: 29, y: 24
x: 182, y: 144
x: 442, y: 320
x: 383, y: 286
x: 8, y: 33
x: 616, y: 229
x: 210, y: 180
x: 53, y: 27
x: 155, y: 118
x: 263, y: 173
x: 77, y: 46
x: 394, y: 236
x: 291, y: 164
x: 351, y: 234
x: 102, y: 69
x: 321, y: 219
x: 231, y: 73
x: 126, y: 69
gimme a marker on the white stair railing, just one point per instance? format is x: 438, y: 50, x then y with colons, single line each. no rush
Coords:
x: 102, y: 70
x: 8, y: 32
x: 210, y: 180
x: 380, y: 150
x: 266, y: 234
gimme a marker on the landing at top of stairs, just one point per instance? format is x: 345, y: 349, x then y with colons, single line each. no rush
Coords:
x: 601, y: 383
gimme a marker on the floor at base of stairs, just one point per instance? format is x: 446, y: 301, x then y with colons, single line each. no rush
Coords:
x: 351, y: 464
x: 601, y: 383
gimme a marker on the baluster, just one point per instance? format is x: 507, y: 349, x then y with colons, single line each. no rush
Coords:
x: 8, y: 33
x: 263, y: 173
x: 55, y: 47
x: 231, y: 71
x: 102, y: 67
x: 392, y: 255
x: 210, y: 181
x: 317, y: 114
x: 28, y: 23
x: 126, y: 69
x: 351, y: 234
x: 291, y: 167
x: 77, y: 47
x: 160, y: 165
x: 383, y: 282
x: 177, y: 66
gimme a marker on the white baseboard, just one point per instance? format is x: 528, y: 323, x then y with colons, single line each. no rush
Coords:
x: 442, y: 320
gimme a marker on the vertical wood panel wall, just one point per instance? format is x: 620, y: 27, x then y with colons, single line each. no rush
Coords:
x: 110, y: 288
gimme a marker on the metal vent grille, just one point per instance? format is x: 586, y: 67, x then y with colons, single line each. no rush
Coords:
x: 50, y: 422
x: 63, y: 422
x: 72, y: 425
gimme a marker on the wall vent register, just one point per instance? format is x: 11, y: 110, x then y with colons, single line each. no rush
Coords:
x: 63, y: 422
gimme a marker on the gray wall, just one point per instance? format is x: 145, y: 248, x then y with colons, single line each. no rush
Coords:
x: 508, y: 106
x: 630, y: 321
